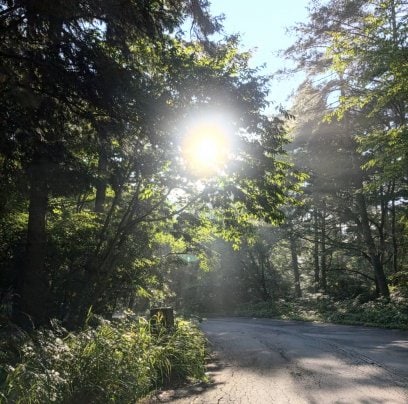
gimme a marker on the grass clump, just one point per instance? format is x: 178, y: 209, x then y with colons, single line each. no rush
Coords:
x: 111, y: 362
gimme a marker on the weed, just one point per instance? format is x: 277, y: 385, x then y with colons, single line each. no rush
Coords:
x: 112, y: 362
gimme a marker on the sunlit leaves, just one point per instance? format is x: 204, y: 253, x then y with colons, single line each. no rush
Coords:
x: 387, y: 152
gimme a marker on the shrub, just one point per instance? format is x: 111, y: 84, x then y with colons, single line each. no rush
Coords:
x: 112, y: 362
x: 316, y: 307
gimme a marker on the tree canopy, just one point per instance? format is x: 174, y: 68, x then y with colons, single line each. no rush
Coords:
x: 96, y: 101
x: 135, y: 143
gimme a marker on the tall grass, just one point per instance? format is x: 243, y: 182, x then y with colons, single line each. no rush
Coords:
x: 112, y: 362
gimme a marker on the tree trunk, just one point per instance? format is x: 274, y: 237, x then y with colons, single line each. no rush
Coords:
x: 323, y: 251
x: 265, y: 292
x: 295, y: 266
x: 394, y: 233
x: 101, y: 183
x: 34, y: 284
x: 375, y: 256
x: 316, y: 251
x: 380, y: 277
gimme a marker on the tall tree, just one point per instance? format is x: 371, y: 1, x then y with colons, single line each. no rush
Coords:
x: 95, y: 105
x: 353, y: 52
x: 67, y: 66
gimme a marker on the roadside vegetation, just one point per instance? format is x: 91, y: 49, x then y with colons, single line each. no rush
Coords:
x: 341, y: 252
x: 261, y: 283
x: 141, y: 167
x: 382, y: 313
x: 110, y: 361
x: 126, y: 144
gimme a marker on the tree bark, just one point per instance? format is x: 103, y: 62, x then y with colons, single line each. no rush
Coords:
x: 295, y: 266
x: 101, y: 183
x: 323, y: 262
x: 316, y: 251
x: 375, y: 256
x: 394, y: 233
x: 265, y: 293
x: 34, y: 284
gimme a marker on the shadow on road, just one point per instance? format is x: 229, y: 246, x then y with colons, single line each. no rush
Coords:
x: 213, y: 368
x: 324, y: 360
x: 274, y: 361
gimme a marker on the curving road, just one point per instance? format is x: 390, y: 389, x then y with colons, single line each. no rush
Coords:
x: 272, y: 361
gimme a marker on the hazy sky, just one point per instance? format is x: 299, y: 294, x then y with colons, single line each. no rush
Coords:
x: 262, y: 25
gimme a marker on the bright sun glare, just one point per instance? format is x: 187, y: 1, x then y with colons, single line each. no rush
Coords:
x: 206, y: 147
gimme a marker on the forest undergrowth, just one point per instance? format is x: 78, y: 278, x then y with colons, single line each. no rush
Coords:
x: 106, y: 361
x: 392, y: 313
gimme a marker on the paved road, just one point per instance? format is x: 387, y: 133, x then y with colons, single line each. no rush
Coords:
x: 271, y: 361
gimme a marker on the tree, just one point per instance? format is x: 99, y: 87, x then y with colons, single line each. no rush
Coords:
x: 351, y: 52
x: 70, y: 75
x: 93, y: 111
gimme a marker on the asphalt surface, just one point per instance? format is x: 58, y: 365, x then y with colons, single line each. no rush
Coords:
x: 271, y: 361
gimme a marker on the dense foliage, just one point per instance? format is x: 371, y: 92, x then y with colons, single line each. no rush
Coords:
x: 118, y: 361
x: 357, y: 196
x: 97, y: 200
x: 378, y: 313
x: 96, y: 102
x: 101, y: 211
x: 346, y: 239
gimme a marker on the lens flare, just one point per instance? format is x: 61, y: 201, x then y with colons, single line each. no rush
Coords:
x: 206, y: 148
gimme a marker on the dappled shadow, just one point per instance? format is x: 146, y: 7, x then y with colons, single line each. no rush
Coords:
x: 367, y: 400
x: 213, y: 367
x: 320, y: 359
x: 362, y: 344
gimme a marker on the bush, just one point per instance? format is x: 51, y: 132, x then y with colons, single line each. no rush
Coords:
x: 379, y: 312
x: 112, y: 362
x: 317, y: 307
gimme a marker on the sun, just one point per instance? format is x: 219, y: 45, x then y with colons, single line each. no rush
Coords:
x: 206, y: 148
